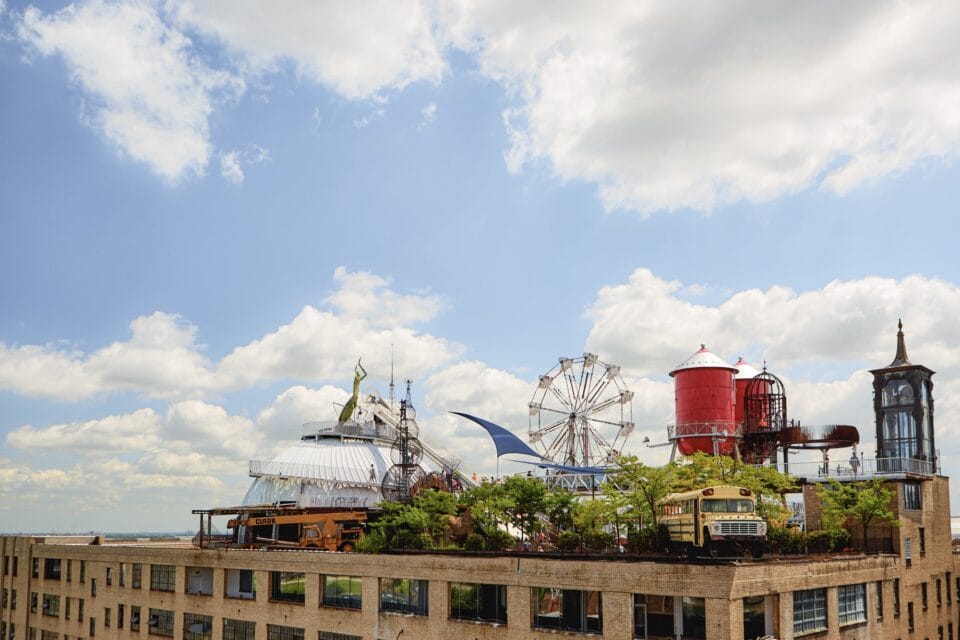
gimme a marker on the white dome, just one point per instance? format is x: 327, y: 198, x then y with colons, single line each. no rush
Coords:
x: 326, y: 472
x: 702, y: 359
x: 745, y: 370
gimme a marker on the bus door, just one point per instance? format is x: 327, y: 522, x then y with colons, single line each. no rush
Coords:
x: 697, y: 529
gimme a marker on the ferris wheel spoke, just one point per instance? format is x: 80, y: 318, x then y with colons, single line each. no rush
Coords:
x: 610, y: 422
x: 598, y: 387
x: 558, y: 423
x: 552, y: 410
x: 564, y: 400
x: 606, y: 404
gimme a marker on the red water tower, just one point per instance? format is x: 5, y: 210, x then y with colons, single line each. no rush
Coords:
x: 705, y: 403
x: 745, y: 373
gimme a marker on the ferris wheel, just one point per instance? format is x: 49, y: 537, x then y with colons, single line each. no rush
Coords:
x: 581, y: 412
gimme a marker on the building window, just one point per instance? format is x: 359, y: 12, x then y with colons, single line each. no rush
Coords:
x: 567, y: 609
x: 162, y: 577
x: 3, y: 603
x: 6, y: 565
x: 922, y: 535
x: 478, y: 602
x: 907, y: 551
x: 80, y: 610
x: 341, y: 591
x: 200, y: 581
x: 120, y: 608
x: 136, y: 575
x: 403, y: 595
x: 33, y: 602
x: 109, y: 576
x: 66, y: 608
x: 939, y: 592
x: 83, y: 571
x: 330, y: 635
x: 923, y: 595
x: 93, y: 587
x: 35, y: 568
x: 287, y: 586
x: 853, y: 603
x: 239, y: 629
x: 49, y: 635
x: 278, y: 632
x: 13, y: 599
x: 910, y: 616
x: 241, y: 583
x: 123, y: 575
x: 196, y: 626
x: 640, y: 616
x: 93, y: 627
x: 106, y: 617
x: 16, y: 562
x: 949, y: 600
x: 69, y: 570
x: 949, y: 631
x: 912, y: 496
x: 879, y: 590
x: 809, y: 610
x: 51, y: 569
x: 134, y: 618
x: 51, y: 605
x: 896, y: 596
x: 161, y: 622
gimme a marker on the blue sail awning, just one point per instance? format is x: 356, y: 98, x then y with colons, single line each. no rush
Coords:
x: 504, y: 440
x: 587, y: 471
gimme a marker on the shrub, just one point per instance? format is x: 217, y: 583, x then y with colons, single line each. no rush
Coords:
x: 372, y: 542
x: 474, y: 542
x: 497, y: 540
x: 642, y: 540
x: 568, y: 540
x: 597, y: 540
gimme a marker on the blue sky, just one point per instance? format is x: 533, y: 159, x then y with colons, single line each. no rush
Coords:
x: 210, y: 211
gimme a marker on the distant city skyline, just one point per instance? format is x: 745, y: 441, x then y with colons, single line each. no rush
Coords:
x: 210, y: 211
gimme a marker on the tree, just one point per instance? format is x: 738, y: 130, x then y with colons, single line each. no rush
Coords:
x: 865, y: 502
x: 643, y: 487
x: 591, y: 517
x: 525, y: 503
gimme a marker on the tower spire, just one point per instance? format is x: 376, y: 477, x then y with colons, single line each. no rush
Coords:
x: 901, y: 358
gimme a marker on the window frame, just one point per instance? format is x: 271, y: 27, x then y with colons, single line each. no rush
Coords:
x: 165, y: 620
x: 561, y: 599
x: 415, y: 601
x: 239, y: 629
x: 852, y: 603
x: 331, y: 596
x: 163, y: 577
x: 810, y: 611
x: 483, y: 595
x: 278, y: 583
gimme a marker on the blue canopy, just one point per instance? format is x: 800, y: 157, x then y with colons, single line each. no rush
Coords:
x: 593, y: 471
x: 505, y: 441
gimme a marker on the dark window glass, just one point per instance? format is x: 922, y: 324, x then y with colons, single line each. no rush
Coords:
x: 278, y: 632
x: 120, y: 608
x: 912, y: 496
x: 879, y: 590
x: 136, y: 575
x: 197, y: 626
x: 896, y: 596
x: 910, y: 616
x: 51, y: 569
x: 51, y: 605
x: 134, y: 618
x: 35, y: 568
x: 331, y: 635
x: 106, y: 617
x: 403, y: 595
x: 923, y: 595
x: 478, y: 602
x: 238, y: 629
x: 567, y: 609
x: 161, y: 622
x: 287, y: 586
x: 109, y: 576
x: 809, y: 610
x: 162, y: 577
x: 342, y: 591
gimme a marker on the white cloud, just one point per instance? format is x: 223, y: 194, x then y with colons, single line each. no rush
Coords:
x: 366, y: 295
x: 230, y: 167
x: 197, y: 426
x: 151, y: 97
x: 665, y: 107
x: 135, y: 431
x: 428, y: 114
x: 359, y: 50
x: 231, y: 162
x: 298, y: 405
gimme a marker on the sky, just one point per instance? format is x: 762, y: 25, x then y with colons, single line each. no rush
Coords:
x: 209, y: 211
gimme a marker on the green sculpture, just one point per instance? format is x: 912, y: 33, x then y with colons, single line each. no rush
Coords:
x: 359, y: 373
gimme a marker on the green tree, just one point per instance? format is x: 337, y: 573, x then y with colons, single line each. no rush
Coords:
x: 641, y: 487
x: 864, y: 503
x: 591, y: 518
x: 558, y: 507
x: 525, y: 503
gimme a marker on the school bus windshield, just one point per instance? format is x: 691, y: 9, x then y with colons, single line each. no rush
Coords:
x: 731, y: 505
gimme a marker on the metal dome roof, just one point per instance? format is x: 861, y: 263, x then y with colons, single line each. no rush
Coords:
x: 745, y: 370
x: 703, y: 359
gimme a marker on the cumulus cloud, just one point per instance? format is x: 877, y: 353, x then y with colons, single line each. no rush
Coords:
x: 297, y: 406
x: 358, y: 50
x: 150, y: 95
x: 120, y: 433
x: 428, y: 114
x: 162, y: 358
x: 231, y: 162
x: 665, y: 108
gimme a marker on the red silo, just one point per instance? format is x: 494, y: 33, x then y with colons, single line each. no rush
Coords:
x: 745, y: 373
x: 705, y: 391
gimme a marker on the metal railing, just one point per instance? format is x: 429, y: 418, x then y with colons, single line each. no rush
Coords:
x: 858, y: 468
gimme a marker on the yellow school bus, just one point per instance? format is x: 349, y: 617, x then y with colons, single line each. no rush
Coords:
x: 718, y: 520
